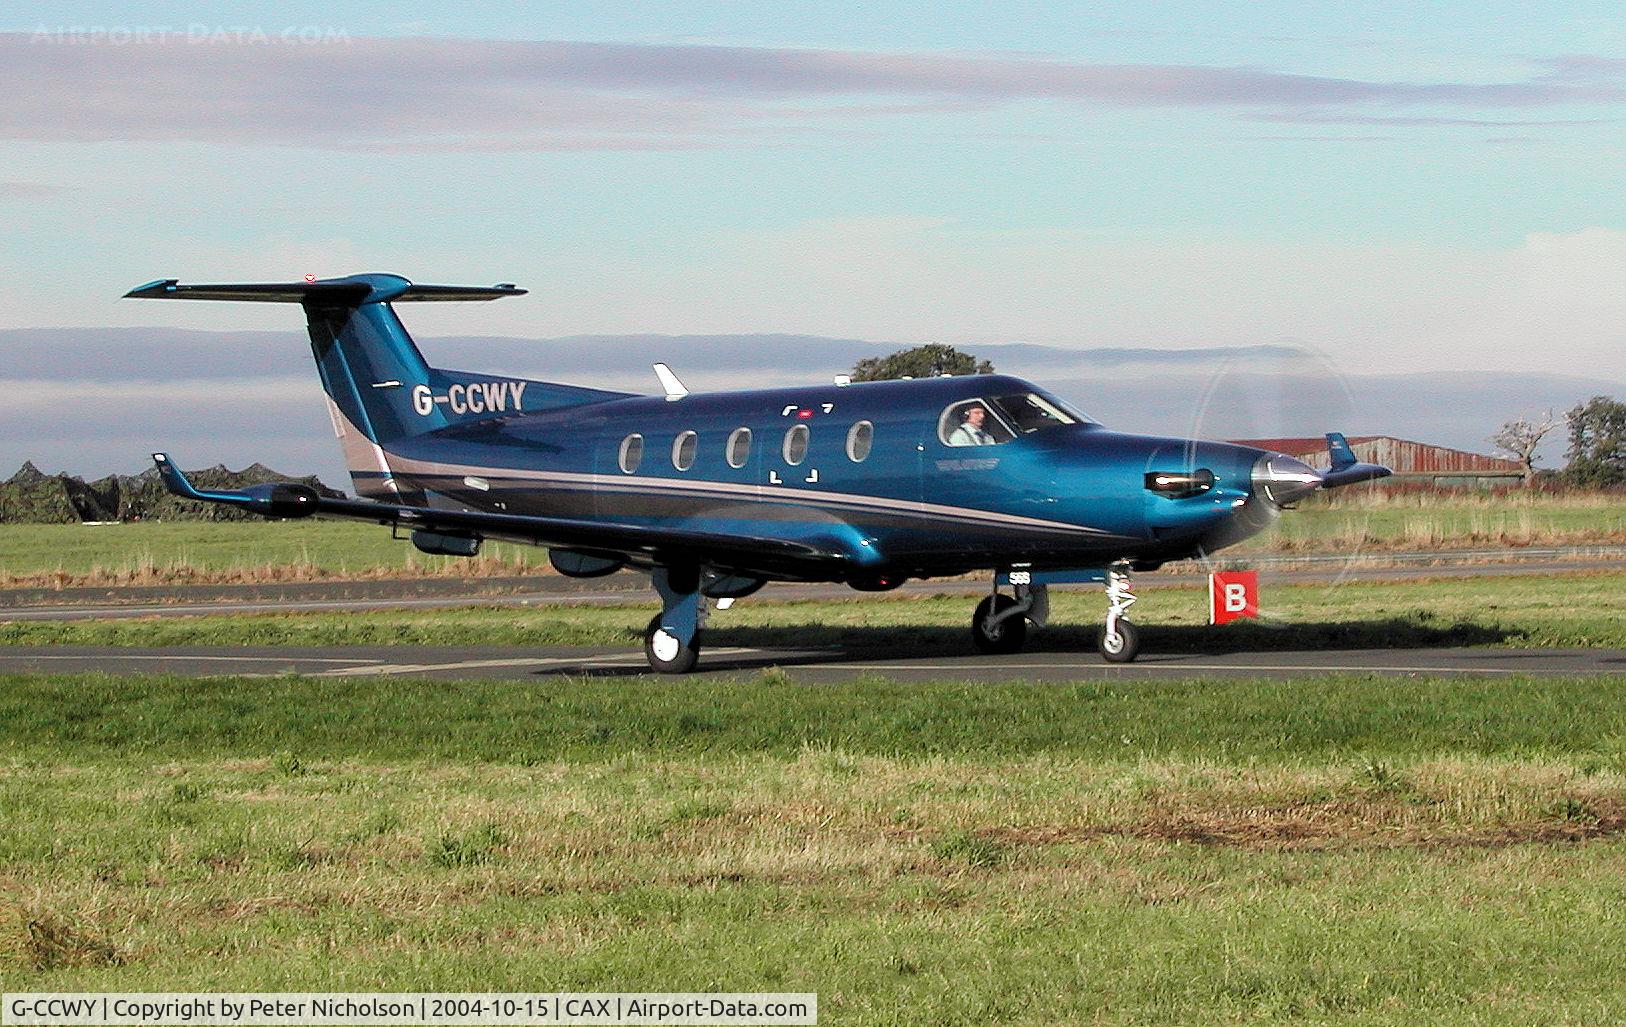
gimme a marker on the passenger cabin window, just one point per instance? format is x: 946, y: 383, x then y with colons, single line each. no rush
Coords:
x: 739, y: 447
x: 683, y: 448
x: 795, y: 448
x: 859, y: 439
x: 632, y: 453
x: 972, y: 422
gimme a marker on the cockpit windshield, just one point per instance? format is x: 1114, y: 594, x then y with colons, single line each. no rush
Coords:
x: 1031, y: 412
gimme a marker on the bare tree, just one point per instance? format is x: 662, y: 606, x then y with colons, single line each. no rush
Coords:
x: 1519, y: 439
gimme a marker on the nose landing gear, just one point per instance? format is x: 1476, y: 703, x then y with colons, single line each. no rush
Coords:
x: 1120, y: 640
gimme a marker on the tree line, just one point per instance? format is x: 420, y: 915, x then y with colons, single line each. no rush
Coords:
x: 1596, y: 457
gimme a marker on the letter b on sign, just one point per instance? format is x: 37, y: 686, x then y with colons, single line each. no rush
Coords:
x: 1232, y: 594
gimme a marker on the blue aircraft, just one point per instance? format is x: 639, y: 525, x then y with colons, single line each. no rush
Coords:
x: 716, y: 494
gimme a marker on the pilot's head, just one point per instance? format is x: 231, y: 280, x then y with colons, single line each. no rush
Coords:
x: 974, y: 415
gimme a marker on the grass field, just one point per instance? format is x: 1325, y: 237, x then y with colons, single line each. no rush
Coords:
x: 228, y: 551
x: 1573, y: 609
x: 1376, y: 520
x: 155, y: 553
x: 1337, y: 850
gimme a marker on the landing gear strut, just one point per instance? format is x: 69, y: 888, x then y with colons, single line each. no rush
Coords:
x: 672, y: 640
x: 1120, y: 640
x: 1000, y: 625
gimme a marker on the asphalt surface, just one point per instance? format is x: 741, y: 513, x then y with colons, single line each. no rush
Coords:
x: 814, y: 665
x: 630, y: 588
x: 809, y: 666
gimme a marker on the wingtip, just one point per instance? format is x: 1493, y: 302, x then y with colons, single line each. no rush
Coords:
x: 156, y: 287
x: 175, y: 481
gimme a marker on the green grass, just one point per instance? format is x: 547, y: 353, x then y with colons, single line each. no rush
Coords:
x: 1376, y: 521
x: 1572, y: 609
x: 293, y: 721
x: 1332, y: 850
x: 153, y: 552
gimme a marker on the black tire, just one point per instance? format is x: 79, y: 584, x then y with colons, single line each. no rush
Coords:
x: 666, y: 655
x: 1127, y: 645
x: 1003, y: 638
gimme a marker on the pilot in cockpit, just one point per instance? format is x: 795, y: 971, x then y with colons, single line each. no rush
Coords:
x: 970, y: 431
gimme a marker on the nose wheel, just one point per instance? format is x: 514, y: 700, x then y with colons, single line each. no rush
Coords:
x: 1121, y: 645
x: 1120, y: 640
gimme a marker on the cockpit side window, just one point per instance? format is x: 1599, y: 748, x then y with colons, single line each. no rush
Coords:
x: 1031, y: 412
x: 972, y: 422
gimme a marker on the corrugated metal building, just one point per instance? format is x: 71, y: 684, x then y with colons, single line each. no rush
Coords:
x: 1412, y: 462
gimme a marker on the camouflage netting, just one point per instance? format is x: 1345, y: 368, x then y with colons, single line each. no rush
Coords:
x: 33, y: 497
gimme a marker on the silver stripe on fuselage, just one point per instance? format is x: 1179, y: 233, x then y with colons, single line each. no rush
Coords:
x: 758, y: 493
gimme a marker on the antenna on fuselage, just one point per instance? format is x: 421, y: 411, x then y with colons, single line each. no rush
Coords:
x: 675, y: 389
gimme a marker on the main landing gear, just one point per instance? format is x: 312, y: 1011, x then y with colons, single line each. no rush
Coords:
x: 1000, y: 625
x: 672, y: 640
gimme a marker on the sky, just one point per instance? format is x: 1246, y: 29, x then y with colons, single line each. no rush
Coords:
x: 1426, y: 189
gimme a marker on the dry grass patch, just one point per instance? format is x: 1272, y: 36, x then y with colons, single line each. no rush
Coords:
x: 51, y: 941
x: 1334, y: 825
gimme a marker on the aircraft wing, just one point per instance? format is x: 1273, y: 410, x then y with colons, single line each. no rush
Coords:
x: 1345, y: 469
x: 635, y: 541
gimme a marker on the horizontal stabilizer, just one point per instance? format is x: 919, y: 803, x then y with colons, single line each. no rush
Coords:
x: 1353, y: 474
x: 279, y: 499
x: 353, y: 290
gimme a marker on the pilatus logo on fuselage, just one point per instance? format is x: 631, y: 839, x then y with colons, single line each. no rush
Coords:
x: 473, y: 398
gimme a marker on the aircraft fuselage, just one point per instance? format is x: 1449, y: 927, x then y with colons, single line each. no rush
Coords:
x: 907, y: 504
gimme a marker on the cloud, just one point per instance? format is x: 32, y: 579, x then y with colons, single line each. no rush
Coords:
x: 1544, y: 303
x: 1412, y: 121
x: 97, y: 426
x: 28, y: 190
x: 456, y: 94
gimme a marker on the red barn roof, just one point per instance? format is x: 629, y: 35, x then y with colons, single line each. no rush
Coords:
x: 1309, y: 444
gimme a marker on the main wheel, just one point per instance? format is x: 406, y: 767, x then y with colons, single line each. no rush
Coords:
x: 1123, y: 646
x: 665, y: 653
x: 1005, y: 636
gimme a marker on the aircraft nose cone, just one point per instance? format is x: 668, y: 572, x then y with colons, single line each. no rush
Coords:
x: 1283, y: 480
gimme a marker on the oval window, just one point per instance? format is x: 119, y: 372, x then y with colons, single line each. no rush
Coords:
x: 739, y: 447
x: 859, y: 439
x: 632, y: 453
x: 683, y: 448
x: 796, y: 444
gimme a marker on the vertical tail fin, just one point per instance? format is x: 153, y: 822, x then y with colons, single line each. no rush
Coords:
x: 379, y: 387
